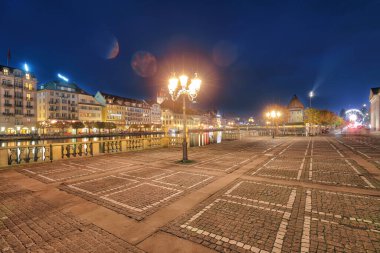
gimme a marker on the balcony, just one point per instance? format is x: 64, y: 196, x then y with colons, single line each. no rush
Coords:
x: 7, y: 114
x: 29, y: 115
x: 19, y: 86
x: 18, y: 97
x: 29, y: 106
x: 7, y: 105
x: 9, y: 85
x: 7, y: 96
x: 29, y: 99
x: 18, y: 105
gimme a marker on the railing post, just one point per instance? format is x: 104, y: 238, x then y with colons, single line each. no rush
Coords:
x: 51, y: 153
x: 145, y: 144
x: 91, y: 150
x: 4, y: 157
x: 165, y: 142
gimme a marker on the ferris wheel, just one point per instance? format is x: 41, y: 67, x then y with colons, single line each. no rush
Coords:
x: 354, y: 116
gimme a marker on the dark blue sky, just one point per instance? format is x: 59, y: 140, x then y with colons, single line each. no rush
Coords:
x: 248, y: 53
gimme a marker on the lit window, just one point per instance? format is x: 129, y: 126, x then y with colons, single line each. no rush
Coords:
x: 27, y: 76
x: 28, y: 96
x: 6, y: 72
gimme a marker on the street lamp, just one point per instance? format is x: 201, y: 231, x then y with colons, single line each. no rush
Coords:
x: 311, y: 95
x: 273, y: 115
x: 181, y: 86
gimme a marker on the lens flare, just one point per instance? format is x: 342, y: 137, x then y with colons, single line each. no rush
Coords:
x: 144, y: 64
x: 114, y: 51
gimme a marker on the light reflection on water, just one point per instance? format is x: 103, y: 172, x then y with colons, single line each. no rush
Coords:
x: 196, y: 139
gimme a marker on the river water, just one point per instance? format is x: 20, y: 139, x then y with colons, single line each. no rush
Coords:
x: 196, y: 139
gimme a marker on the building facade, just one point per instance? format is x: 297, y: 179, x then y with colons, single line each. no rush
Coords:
x: 173, y: 120
x: 62, y: 101
x: 124, y: 112
x: 17, y: 101
x: 374, y: 98
x: 155, y: 114
x: 296, y: 110
x: 89, y: 109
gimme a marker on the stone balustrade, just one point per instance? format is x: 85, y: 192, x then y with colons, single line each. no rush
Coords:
x: 56, y: 151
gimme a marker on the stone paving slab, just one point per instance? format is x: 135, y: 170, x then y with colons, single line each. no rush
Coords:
x: 140, y: 192
x: 71, y: 169
x: 245, y: 216
x: 340, y: 222
x: 248, y: 216
x: 319, y: 162
x: 344, y: 172
x: 28, y: 224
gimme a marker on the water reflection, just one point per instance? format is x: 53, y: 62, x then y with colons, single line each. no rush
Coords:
x: 202, y: 139
x: 196, y: 139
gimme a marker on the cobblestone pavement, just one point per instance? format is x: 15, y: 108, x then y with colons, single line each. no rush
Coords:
x: 248, y: 216
x: 71, y: 169
x: 139, y: 192
x: 318, y: 161
x: 366, y: 146
x: 293, y: 194
x: 28, y: 224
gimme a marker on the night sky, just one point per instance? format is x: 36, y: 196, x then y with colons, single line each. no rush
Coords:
x: 248, y: 53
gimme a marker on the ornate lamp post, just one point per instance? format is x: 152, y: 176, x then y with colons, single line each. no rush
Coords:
x: 273, y: 115
x: 181, y: 86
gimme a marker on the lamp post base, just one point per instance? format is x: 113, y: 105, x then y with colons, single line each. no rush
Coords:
x: 184, y: 149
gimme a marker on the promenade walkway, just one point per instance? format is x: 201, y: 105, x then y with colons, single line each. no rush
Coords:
x: 290, y: 194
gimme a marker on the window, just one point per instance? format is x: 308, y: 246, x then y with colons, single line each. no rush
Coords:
x: 6, y: 71
x: 28, y: 96
x: 27, y: 76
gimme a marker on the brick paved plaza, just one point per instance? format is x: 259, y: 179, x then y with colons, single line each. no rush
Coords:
x: 290, y: 194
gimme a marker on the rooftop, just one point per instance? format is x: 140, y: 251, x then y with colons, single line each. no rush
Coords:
x: 374, y: 91
x: 295, y: 103
x: 15, y: 71
x: 62, y: 86
x: 117, y: 99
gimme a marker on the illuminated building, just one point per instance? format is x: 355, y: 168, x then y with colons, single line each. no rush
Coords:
x: 89, y: 109
x: 17, y: 101
x: 63, y: 101
x: 374, y: 98
x: 155, y: 113
x: 124, y: 112
x: 172, y: 117
x: 296, y: 110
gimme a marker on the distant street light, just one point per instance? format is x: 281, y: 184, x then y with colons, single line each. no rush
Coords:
x: 273, y: 115
x: 311, y: 95
x: 191, y: 90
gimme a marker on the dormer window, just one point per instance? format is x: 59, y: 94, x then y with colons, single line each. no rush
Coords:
x: 27, y: 76
x: 6, y: 71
